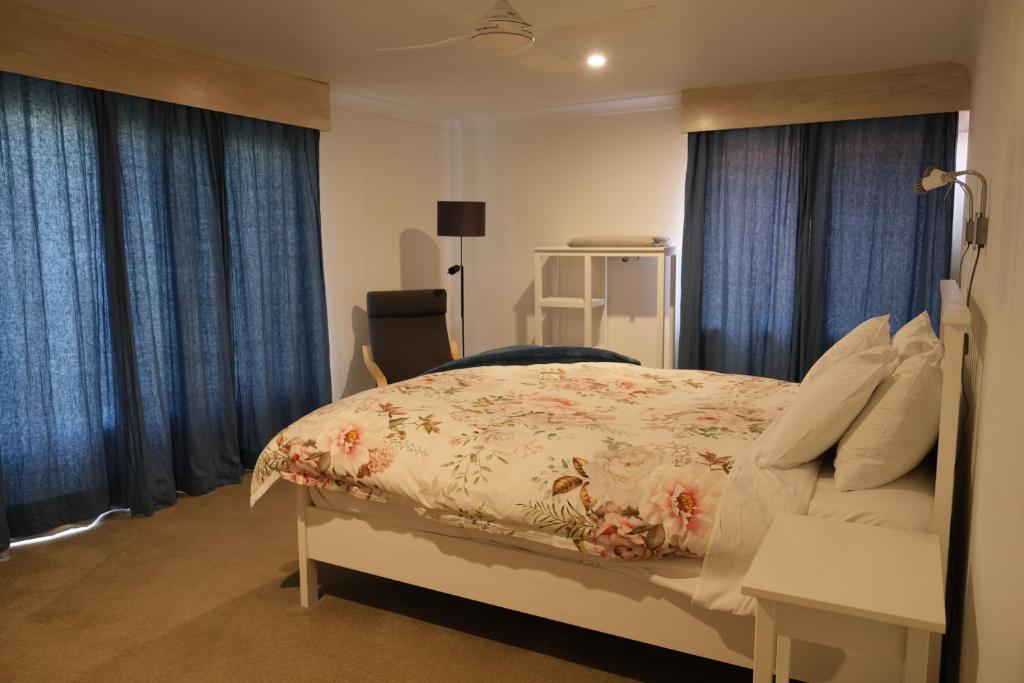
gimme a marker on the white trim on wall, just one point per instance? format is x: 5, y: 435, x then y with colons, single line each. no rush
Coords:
x: 365, y: 104
x: 629, y: 105
x: 440, y: 118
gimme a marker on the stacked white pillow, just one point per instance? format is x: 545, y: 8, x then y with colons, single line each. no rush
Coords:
x: 830, y: 397
x: 900, y: 423
x: 916, y: 336
x: 869, y: 334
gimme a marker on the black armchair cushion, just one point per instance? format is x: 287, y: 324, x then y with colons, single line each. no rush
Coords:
x: 408, y: 331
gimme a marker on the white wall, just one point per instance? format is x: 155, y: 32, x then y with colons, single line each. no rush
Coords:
x: 545, y: 181
x: 993, y: 638
x: 380, y: 179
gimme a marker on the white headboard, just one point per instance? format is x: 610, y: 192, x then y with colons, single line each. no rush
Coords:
x: 954, y: 321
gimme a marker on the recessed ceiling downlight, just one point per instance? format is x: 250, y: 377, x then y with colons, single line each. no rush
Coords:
x: 596, y: 61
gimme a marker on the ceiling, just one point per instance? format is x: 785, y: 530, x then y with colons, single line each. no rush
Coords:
x: 690, y: 43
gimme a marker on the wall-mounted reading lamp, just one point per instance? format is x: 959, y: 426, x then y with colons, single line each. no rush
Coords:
x: 977, y: 223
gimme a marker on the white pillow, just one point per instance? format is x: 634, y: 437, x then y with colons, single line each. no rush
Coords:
x: 822, y: 409
x: 897, y: 427
x: 916, y: 336
x: 869, y: 334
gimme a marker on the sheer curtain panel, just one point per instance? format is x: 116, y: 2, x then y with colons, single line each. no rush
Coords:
x: 170, y: 217
x: 795, y: 234
x: 278, y: 305
x: 739, y: 250
x: 56, y: 376
x: 888, y: 259
x: 163, y: 310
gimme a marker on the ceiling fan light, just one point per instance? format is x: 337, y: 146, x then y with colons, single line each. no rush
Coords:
x: 502, y: 43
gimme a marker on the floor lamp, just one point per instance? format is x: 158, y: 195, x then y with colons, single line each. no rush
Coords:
x: 461, y: 219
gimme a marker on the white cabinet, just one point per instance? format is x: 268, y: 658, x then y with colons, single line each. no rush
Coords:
x: 595, y: 261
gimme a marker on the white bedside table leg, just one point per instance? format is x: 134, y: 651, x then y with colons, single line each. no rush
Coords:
x: 782, y: 659
x: 764, y: 642
x: 915, y: 662
x: 309, y: 585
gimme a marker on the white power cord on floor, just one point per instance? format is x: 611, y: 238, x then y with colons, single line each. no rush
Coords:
x: 65, y: 533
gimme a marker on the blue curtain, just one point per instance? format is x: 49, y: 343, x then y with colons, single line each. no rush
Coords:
x: 56, y: 374
x: 795, y: 234
x: 887, y: 247
x: 170, y: 217
x: 278, y: 306
x: 741, y: 237
x: 164, y: 312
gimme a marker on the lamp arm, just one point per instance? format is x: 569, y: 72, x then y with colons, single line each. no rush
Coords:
x: 984, y: 188
x: 970, y: 210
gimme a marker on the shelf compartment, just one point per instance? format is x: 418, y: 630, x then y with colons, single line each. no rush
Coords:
x: 569, y: 302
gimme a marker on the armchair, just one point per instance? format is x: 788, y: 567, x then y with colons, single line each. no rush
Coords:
x: 408, y: 334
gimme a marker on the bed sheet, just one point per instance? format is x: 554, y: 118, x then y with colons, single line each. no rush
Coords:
x: 905, y: 503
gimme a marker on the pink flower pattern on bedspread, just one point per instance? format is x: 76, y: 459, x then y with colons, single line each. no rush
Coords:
x: 613, y: 460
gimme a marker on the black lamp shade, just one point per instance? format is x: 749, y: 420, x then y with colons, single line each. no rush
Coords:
x: 461, y: 219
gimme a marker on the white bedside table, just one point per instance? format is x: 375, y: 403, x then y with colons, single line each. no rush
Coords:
x: 851, y: 586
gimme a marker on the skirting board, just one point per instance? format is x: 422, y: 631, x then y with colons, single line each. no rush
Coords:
x: 571, y: 593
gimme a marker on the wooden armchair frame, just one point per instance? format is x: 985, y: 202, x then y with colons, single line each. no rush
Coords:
x: 378, y: 374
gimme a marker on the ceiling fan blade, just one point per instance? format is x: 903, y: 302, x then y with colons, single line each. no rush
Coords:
x: 425, y: 46
x: 627, y: 19
x: 542, y: 60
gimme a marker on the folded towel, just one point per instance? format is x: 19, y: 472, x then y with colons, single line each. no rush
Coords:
x: 620, y: 241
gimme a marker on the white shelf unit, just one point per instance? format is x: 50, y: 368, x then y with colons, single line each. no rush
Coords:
x: 665, y: 309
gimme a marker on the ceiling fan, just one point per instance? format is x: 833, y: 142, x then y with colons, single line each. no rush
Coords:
x: 503, y: 32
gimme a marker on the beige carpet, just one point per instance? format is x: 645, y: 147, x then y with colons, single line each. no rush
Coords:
x: 206, y: 591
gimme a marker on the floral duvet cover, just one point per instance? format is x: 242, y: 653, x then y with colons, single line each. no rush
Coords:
x: 611, y: 459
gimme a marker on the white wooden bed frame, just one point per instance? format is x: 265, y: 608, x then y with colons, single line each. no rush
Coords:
x: 601, y: 600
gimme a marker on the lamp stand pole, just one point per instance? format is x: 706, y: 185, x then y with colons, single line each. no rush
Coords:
x: 462, y: 298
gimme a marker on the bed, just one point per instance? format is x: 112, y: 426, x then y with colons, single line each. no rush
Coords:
x: 586, y: 494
